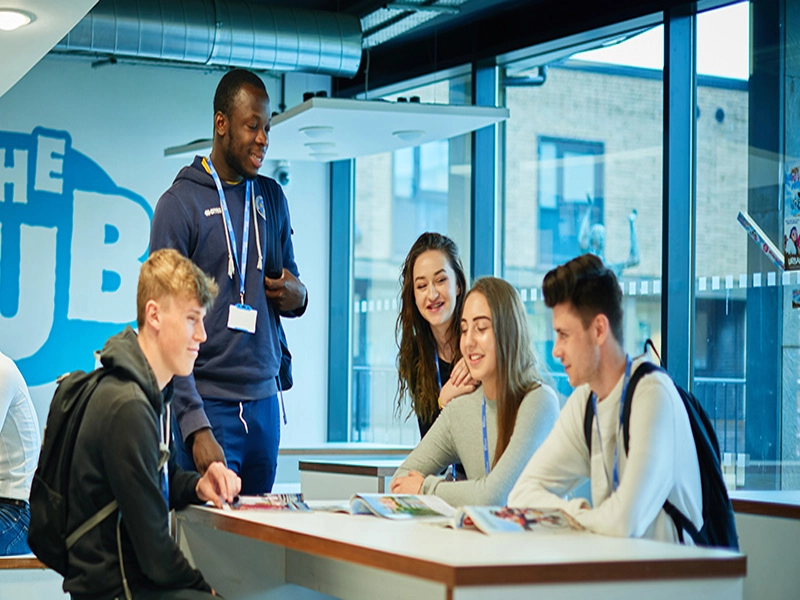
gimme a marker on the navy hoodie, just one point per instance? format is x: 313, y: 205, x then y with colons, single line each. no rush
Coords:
x: 232, y: 365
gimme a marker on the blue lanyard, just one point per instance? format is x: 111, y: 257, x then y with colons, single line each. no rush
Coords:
x: 485, y: 441
x: 615, y: 482
x: 438, y: 372
x: 451, y: 469
x: 165, y: 435
x: 233, y: 255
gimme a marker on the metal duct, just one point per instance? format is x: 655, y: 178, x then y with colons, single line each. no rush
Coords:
x: 221, y: 33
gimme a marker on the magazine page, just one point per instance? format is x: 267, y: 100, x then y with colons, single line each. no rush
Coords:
x: 502, y: 519
x: 331, y: 506
x: 270, y: 502
x: 401, y: 506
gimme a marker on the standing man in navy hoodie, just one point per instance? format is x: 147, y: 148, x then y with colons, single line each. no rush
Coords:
x: 234, y: 224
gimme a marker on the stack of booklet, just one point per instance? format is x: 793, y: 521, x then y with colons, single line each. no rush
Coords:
x: 488, y: 519
x: 270, y: 502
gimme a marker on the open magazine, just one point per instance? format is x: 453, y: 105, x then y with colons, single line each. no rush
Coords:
x: 401, y: 506
x: 270, y: 502
x: 390, y: 506
x: 488, y: 519
x: 502, y: 519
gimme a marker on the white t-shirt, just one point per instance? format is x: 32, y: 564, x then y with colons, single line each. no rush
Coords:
x: 20, y: 439
x: 661, y: 463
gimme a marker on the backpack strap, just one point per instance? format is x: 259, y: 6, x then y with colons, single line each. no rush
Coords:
x: 643, y: 369
x: 682, y: 523
x: 90, y: 523
x: 650, y: 345
x: 588, y: 417
x: 678, y: 518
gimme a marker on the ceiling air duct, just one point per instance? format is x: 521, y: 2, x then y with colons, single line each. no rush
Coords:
x: 220, y: 33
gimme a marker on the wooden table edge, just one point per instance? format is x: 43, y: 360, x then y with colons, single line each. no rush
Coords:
x: 732, y: 566
x: 326, y: 467
x: 767, y: 508
x: 21, y: 562
x: 345, y: 451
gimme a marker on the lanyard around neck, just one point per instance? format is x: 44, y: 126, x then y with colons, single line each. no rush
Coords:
x: 438, y: 371
x: 233, y: 258
x: 615, y: 482
x: 485, y: 440
x: 165, y: 435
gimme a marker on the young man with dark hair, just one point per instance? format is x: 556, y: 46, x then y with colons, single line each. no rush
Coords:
x: 124, y: 438
x: 628, y: 489
x: 234, y: 224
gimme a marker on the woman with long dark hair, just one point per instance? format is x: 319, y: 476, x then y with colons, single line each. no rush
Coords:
x: 429, y: 368
x: 494, y: 430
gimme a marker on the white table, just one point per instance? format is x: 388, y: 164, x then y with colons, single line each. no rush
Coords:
x: 340, y: 479
x: 768, y: 523
x: 251, y: 554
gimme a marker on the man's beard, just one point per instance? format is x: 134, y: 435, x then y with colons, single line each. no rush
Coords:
x: 233, y: 161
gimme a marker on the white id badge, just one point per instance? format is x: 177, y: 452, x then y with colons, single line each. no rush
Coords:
x: 242, y: 318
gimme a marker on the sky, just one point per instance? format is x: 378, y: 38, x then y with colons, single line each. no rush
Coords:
x: 723, y: 43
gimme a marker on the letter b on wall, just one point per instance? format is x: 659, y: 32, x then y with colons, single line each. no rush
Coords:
x: 108, y: 237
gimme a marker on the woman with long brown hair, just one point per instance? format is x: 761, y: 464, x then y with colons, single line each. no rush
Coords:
x: 494, y: 430
x: 429, y: 369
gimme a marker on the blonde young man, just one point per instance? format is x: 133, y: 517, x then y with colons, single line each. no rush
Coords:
x: 124, y: 433
x: 628, y: 490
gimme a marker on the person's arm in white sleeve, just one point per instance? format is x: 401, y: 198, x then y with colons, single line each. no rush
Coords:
x: 648, y: 476
x: 8, y: 388
x: 558, y: 466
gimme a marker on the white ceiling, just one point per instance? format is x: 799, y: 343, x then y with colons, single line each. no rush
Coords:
x: 346, y: 128
x: 25, y: 47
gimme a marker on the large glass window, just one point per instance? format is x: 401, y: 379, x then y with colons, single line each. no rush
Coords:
x: 582, y: 168
x: 583, y: 173
x: 570, y: 198
x: 746, y: 351
x: 398, y: 196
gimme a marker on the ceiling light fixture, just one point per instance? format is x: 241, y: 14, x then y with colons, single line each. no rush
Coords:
x: 316, y: 146
x: 11, y: 19
x: 408, y: 135
x: 320, y: 131
x: 326, y: 129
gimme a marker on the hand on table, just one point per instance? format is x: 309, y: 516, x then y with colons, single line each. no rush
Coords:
x: 219, y: 484
x: 408, y: 484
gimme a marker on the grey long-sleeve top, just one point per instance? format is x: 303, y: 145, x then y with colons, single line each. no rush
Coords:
x: 457, y: 436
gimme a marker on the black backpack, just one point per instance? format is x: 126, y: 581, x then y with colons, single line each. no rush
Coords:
x: 719, y: 526
x: 47, y: 536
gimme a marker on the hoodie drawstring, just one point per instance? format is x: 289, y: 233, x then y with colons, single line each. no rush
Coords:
x: 241, y: 417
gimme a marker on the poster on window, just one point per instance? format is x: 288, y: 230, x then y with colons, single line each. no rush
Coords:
x: 791, y: 217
